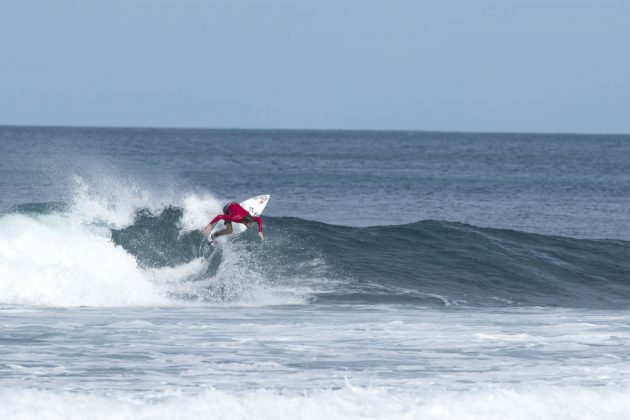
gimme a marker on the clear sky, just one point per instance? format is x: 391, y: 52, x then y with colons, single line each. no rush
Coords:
x: 456, y: 65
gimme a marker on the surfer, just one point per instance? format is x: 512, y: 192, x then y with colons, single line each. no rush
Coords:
x: 233, y: 212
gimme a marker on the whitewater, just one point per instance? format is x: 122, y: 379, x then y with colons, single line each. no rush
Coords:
x: 449, y: 297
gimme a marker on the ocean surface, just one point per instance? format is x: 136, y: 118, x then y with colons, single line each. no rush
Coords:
x: 404, y: 275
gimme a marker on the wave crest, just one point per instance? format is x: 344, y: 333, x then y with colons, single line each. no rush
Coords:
x: 156, y: 259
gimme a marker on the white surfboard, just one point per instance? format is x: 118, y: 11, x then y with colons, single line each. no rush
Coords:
x: 254, y: 206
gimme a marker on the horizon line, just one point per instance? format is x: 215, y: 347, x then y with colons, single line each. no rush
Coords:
x: 374, y: 130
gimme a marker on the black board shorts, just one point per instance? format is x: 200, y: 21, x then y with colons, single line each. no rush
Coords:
x: 225, y: 211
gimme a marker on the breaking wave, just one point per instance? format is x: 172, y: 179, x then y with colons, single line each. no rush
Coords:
x: 94, y: 253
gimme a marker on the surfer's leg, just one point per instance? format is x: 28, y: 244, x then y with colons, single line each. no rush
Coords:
x: 226, y: 231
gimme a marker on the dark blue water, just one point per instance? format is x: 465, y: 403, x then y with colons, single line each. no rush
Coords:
x: 570, y: 185
x: 407, y: 217
x: 403, y: 275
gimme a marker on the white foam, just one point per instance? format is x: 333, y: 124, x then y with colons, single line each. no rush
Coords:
x: 69, y: 259
x: 54, y: 260
x: 166, y: 275
x: 198, y: 211
x: 525, y: 403
x: 113, y: 202
x: 236, y: 282
x: 57, y: 260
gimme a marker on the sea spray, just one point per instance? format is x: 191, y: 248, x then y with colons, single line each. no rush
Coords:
x: 54, y: 260
x: 107, y: 248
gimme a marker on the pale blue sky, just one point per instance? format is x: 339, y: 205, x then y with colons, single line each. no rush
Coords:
x: 457, y: 65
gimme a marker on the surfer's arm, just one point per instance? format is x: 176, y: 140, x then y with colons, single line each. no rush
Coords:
x: 260, y: 229
x: 258, y: 220
x: 220, y: 217
x: 216, y: 219
x: 206, y: 229
x: 226, y: 231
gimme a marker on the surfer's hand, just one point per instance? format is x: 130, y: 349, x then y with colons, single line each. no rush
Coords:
x: 262, y: 238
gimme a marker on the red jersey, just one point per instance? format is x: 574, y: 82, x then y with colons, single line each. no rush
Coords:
x: 235, y: 213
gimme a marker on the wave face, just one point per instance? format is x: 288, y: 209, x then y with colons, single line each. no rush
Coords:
x: 464, y: 264
x: 425, y: 262
x: 50, y: 258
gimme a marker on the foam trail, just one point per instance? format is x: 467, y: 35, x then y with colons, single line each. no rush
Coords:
x: 235, y: 281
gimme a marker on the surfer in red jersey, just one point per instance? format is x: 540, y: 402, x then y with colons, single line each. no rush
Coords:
x: 233, y: 212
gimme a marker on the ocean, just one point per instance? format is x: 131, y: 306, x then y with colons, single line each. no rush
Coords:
x: 403, y: 275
